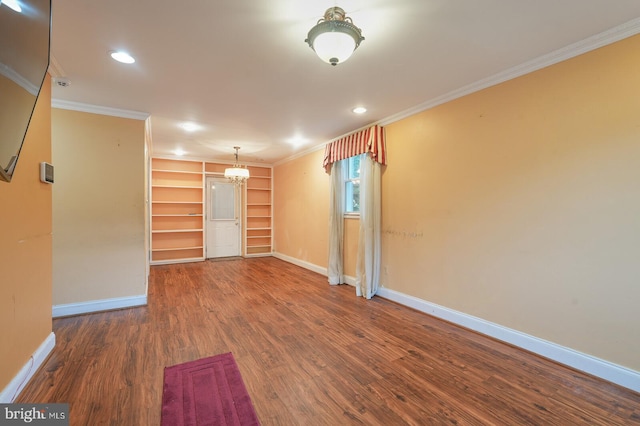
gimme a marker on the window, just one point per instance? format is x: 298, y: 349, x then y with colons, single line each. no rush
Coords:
x: 352, y: 185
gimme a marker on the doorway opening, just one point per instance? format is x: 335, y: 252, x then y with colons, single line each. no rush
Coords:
x: 223, y: 223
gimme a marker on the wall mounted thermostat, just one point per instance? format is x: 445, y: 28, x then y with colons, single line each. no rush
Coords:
x: 46, y: 172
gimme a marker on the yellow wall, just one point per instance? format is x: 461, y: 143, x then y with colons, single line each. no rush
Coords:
x: 98, y: 207
x: 301, y: 214
x: 25, y: 248
x: 301, y: 209
x: 520, y: 204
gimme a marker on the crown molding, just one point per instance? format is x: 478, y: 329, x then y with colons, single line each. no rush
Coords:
x: 96, y: 109
x: 17, y: 78
x: 55, y: 69
x: 320, y: 146
x: 299, y: 154
x: 596, y: 41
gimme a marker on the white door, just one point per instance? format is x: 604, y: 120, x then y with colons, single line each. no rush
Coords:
x: 223, y: 222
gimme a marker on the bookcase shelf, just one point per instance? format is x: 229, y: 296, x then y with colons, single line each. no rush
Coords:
x: 258, y: 212
x: 178, y: 210
x: 177, y: 222
x: 177, y: 215
x: 168, y: 231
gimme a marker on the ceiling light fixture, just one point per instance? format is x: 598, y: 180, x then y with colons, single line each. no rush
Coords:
x: 237, y: 174
x: 62, y: 81
x: 297, y: 141
x: 123, y: 57
x: 12, y: 4
x: 190, y: 127
x: 359, y: 110
x: 334, y: 38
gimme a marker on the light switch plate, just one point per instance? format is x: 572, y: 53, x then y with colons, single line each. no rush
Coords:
x: 46, y: 172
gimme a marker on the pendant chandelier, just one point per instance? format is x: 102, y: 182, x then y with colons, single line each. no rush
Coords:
x: 334, y: 38
x: 237, y: 174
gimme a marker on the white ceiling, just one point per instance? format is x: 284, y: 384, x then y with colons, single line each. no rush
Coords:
x: 241, y: 68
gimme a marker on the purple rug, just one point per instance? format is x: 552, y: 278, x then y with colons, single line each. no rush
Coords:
x: 208, y: 391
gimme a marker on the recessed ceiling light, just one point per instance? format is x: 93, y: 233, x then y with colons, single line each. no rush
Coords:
x: 123, y: 57
x: 12, y: 4
x: 179, y: 152
x: 359, y: 110
x: 190, y: 127
x: 297, y: 141
x: 62, y: 81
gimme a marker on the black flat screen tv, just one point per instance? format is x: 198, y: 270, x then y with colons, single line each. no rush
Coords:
x: 25, y: 40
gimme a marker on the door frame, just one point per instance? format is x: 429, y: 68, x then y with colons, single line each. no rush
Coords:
x: 237, y: 207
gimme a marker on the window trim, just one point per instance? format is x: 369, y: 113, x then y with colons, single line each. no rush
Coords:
x: 345, y: 179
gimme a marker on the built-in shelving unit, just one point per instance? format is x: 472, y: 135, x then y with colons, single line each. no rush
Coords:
x: 177, y: 210
x: 215, y: 169
x: 258, y: 212
x: 177, y: 222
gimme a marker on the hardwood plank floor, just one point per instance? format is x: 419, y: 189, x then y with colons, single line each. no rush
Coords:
x: 310, y: 354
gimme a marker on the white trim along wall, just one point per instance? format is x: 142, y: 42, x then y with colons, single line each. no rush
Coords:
x: 13, y: 389
x: 98, y: 306
x: 595, y: 366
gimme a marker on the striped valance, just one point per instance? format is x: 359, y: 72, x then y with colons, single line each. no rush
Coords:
x: 370, y: 140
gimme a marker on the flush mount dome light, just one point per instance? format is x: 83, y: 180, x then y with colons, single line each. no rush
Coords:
x: 123, y: 57
x: 334, y: 38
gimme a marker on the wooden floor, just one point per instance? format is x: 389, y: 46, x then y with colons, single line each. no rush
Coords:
x: 310, y: 354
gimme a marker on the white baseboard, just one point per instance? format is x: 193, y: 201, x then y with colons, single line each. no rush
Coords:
x: 310, y: 266
x: 98, y: 305
x: 171, y: 262
x: 13, y: 389
x: 303, y: 264
x: 578, y: 360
